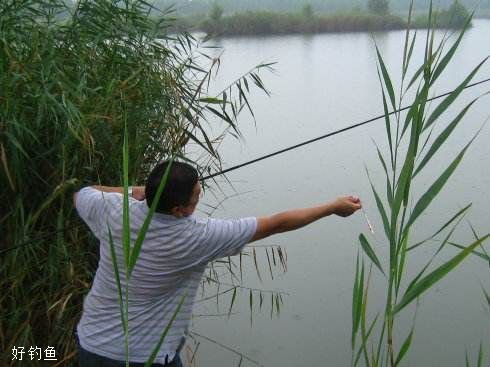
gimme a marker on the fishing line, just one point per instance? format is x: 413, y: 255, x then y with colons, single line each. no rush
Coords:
x: 284, y: 150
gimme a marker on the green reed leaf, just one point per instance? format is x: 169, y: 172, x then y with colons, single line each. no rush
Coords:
x: 381, y: 209
x: 365, y: 340
x: 448, y: 101
x: 386, y: 78
x: 473, y: 231
x: 256, y: 264
x: 439, y: 141
x: 389, y: 190
x: 404, y: 179
x: 243, y: 96
x: 434, y: 56
x: 233, y: 301
x: 415, y: 76
x: 404, y: 349
x: 364, y: 335
x: 126, y: 226
x: 449, y: 55
x: 487, y: 296
x: 380, y: 342
x: 354, y: 308
x: 481, y: 255
x: 251, y: 301
x: 444, y: 226
x: 357, y: 299
x: 405, y: 174
x: 416, y: 111
x: 429, y: 280
x: 429, y: 28
x: 387, y: 126
x: 480, y: 355
x: 155, y: 351
x: 410, y: 52
x: 381, y: 159
x: 443, y: 243
x: 435, y: 188
x: 475, y: 236
x: 424, y: 66
x: 401, y: 263
x: 220, y: 114
x: 146, y: 224
x: 418, y: 276
x: 207, y: 147
x: 407, y: 34
x: 370, y: 252
x: 118, y: 280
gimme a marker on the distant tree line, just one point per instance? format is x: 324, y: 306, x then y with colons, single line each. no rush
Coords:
x: 266, y: 22
x: 188, y: 7
x: 306, y: 19
x: 381, y: 7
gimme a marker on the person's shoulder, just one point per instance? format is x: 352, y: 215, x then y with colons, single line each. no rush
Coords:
x: 92, y: 196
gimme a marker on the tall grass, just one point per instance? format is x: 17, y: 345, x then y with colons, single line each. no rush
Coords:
x: 76, y: 84
x: 412, y: 144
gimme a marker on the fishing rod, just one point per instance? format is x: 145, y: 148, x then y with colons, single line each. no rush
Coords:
x: 336, y: 132
x: 284, y: 150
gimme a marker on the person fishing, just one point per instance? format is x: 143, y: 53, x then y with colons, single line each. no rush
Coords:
x: 176, y: 250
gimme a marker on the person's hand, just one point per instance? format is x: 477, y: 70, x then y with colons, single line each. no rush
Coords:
x: 346, y: 205
x: 139, y: 193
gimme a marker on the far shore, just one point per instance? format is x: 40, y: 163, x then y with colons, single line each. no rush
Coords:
x: 270, y: 23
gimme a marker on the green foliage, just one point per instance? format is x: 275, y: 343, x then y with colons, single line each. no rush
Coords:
x: 264, y: 22
x: 479, y: 360
x: 215, y: 13
x: 76, y: 84
x: 455, y: 16
x: 379, y: 7
x: 411, y: 148
x: 307, y: 11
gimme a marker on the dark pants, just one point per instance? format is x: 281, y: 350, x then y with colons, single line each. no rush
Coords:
x: 88, y: 359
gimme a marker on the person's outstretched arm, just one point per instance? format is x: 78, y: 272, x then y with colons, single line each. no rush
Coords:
x: 297, y: 218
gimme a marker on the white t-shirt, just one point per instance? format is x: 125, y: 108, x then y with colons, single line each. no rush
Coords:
x: 172, y: 260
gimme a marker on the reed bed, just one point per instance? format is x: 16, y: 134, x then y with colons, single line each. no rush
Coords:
x: 76, y: 85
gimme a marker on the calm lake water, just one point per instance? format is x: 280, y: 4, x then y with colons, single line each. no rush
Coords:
x: 322, y: 83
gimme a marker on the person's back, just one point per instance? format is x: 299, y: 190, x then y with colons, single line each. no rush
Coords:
x: 170, y: 265
x: 174, y: 255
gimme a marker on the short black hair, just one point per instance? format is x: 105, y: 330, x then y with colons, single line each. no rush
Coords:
x: 177, y: 191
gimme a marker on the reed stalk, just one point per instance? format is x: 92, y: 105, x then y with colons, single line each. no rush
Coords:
x: 411, y: 147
